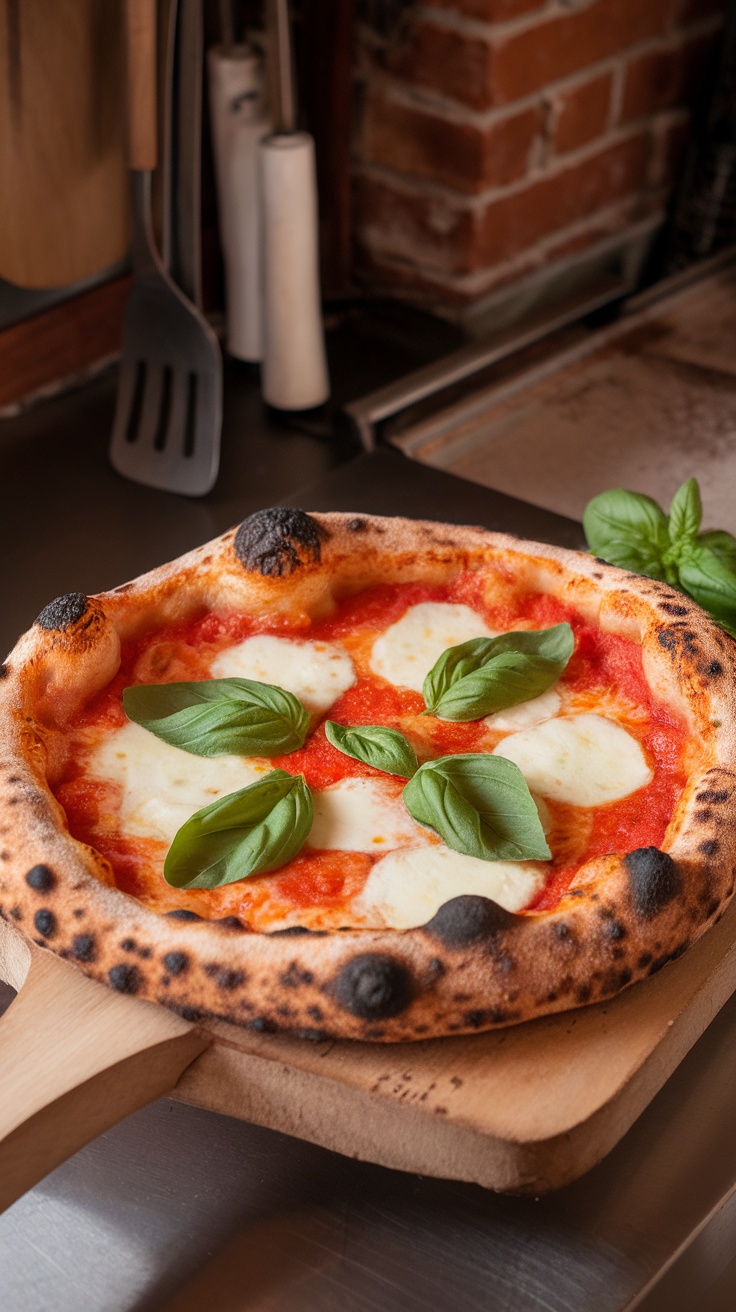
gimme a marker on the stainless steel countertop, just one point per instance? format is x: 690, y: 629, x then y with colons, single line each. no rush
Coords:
x: 179, y: 1209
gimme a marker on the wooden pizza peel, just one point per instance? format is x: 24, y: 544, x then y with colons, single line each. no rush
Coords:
x: 520, y: 1110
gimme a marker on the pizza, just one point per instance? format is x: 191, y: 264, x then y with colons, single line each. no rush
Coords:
x: 371, y: 778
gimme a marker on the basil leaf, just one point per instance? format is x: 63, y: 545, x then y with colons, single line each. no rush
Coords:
x: 374, y: 744
x: 686, y: 513
x: 259, y: 828
x: 709, y: 582
x: 629, y: 530
x: 485, y: 675
x: 722, y: 544
x: 217, y: 717
x: 479, y: 806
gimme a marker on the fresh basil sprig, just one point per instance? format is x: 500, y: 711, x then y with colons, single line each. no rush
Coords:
x: 485, y: 675
x: 257, y: 829
x: 374, y: 744
x: 218, y: 717
x: 630, y: 530
x: 480, y: 805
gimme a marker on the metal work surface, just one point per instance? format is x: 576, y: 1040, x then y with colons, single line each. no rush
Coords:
x: 181, y: 1210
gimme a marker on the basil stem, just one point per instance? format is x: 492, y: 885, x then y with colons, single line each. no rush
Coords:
x: 220, y: 717
x: 485, y: 675
x: 374, y: 744
x: 257, y: 829
x: 480, y: 805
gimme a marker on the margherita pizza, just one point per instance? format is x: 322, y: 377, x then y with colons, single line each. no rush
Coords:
x: 369, y: 778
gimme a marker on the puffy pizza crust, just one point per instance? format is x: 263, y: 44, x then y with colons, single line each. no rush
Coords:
x: 473, y: 966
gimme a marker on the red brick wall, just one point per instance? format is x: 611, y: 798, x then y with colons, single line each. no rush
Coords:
x: 496, y: 136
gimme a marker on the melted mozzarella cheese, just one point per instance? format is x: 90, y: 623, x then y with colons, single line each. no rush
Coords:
x: 526, y: 714
x: 584, y: 760
x: 407, y: 888
x: 361, y: 815
x: 316, y: 672
x: 163, y: 786
x: 406, y: 652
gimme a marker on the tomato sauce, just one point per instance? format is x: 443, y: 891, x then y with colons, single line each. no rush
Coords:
x: 603, y: 666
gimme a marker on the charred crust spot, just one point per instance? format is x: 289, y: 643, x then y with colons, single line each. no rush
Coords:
x: 670, y: 609
x: 45, y: 922
x: 316, y: 1013
x: 231, y: 923
x: 644, y: 960
x: 277, y: 541
x: 613, y: 930
x: 709, y: 847
x: 176, y: 962
x: 40, y: 879
x: 312, y: 1035
x: 189, y: 1013
x: 182, y: 914
x: 469, y: 918
x: 562, y: 931
x: 667, y: 639
x: 714, y: 669
x: 654, y: 880
x: 124, y: 979
x: 224, y: 978
x: 597, y: 574
x: 714, y: 795
x: 702, y: 817
x: 4, y: 671
x: 16, y: 912
x: 292, y: 931
x: 63, y: 611
x: 262, y: 1025
x: 128, y: 945
x: 583, y: 994
x: 83, y: 947
x: 78, y: 912
x: 489, y: 1016
x: 373, y: 986
x: 295, y: 976
x: 355, y: 525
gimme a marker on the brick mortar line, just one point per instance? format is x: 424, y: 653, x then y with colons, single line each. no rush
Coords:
x: 503, y: 29
x: 424, y: 188
x: 456, y: 111
x: 485, y: 279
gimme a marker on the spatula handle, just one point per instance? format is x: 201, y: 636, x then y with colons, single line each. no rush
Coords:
x: 140, y: 25
x: 75, y: 1058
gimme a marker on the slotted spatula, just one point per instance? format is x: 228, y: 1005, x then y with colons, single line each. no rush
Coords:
x: 168, y: 414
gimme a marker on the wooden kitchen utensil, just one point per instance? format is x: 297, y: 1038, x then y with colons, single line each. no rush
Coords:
x: 64, y: 206
x: 168, y: 415
x: 525, y: 1109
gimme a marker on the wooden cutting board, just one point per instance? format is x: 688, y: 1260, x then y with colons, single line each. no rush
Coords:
x: 524, y: 1110
x: 64, y: 208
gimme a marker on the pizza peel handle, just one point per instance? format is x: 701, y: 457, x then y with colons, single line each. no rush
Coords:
x: 75, y: 1058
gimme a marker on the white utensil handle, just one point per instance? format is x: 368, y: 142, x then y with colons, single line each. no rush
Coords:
x: 239, y: 120
x: 294, y: 375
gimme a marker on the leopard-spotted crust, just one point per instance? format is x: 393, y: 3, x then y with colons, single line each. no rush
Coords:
x: 474, y: 966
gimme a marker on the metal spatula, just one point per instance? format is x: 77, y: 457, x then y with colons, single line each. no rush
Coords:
x: 169, y: 404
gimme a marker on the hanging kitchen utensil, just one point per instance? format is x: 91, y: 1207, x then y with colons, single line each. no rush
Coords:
x: 294, y: 374
x: 186, y: 190
x: 239, y: 122
x: 169, y: 405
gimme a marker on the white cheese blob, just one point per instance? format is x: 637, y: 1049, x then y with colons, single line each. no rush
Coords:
x: 316, y: 672
x: 407, y: 888
x: 406, y: 652
x: 584, y: 760
x: 526, y: 714
x: 163, y: 786
x: 361, y: 815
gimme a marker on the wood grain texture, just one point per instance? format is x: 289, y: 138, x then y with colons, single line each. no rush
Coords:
x: 61, y: 342
x: 64, y: 208
x: 76, y: 1058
